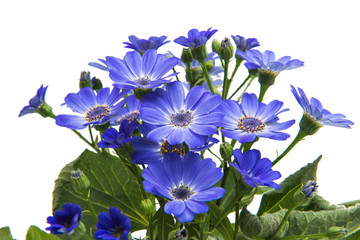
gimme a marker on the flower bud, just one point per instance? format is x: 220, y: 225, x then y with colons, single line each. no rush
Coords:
x: 215, y: 46
x: 45, y: 110
x: 80, y: 182
x: 310, y: 188
x: 199, y: 53
x: 304, y: 194
x: 336, y: 232
x: 226, y: 151
x: 182, y: 233
x: 226, y: 50
x: 186, y: 56
x: 141, y: 92
x: 209, y: 65
x: 309, y: 125
x: 96, y: 84
x: 148, y: 207
x: 85, y: 80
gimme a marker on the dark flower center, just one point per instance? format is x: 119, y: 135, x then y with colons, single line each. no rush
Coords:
x: 181, y: 119
x: 118, y: 232
x: 144, y: 81
x: 181, y: 193
x: 250, y: 124
x: 166, y: 147
x: 97, y: 113
x: 130, y: 116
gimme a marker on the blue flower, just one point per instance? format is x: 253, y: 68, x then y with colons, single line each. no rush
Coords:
x: 114, y: 139
x: 187, y: 181
x: 148, y: 151
x: 267, y: 61
x: 136, y: 71
x: 179, y: 119
x: 35, y: 102
x: 252, y: 119
x: 255, y: 171
x: 66, y: 220
x: 315, y: 110
x: 131, y: 111
x: 141, y: 45
x: 113, y: 225
x: 195, y: 38
x: 93, y: 109
x: 310, y: 188
x: 245, y: 44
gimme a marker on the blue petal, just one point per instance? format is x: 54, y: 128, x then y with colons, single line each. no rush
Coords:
x: 88, y: 96
x: 173, y: 167
x: 174, y: 207
x: 161, y: 133
x: 175, y: 94
x: 71, y: 121
x: 197, y: 207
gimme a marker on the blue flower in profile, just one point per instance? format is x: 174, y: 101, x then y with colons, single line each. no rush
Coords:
x: 113, y: 225
x: 114, y: 139
x: 141, y: 45
x: 136, y: 71
x: 255, y: 171
x: 245, y: 44
x: 66, y: 220
x: 93, y: 109
x: 315, y: 110
x: 179, y: 119
x: 251, y: 119
x: 35, y: 102
x: 195, y: 38
x: 267, y: 61
x: 187, y: 181
x: 148, y: 151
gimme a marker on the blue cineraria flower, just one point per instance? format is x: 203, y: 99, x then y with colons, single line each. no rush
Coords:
x: 195, y: 38
x: 66, y: 220
x: 114, y: 139
x: 136, y: 71
x: 315, y: 110
x: 113, y: 225
x: 93, y: 109
x: 267, y: 61
x: 148, y: 151
x: 179, y: 119
x: 245, y: 44
x: 131, y: 111
x: 35, y: 103
x: 141, y: 45
x: 310, y: 188
x: 255, y: 171
x: 251, y: 119
x: 187, y: 181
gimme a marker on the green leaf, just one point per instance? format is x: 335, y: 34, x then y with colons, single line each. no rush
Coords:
x: 224, y: 227
x: 34, y: 233
x: 275, y: 200
x: 164, y: 224
x: 350, y: 203
x: 111, y: 184
x: 5, y: 234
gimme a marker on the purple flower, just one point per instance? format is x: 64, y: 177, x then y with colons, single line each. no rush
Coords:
x: 255, y: 171
x: 187, y: 181
x: 179, y: 119
x: 35, y: 102
x: 251, y: 119
x: 93, y: 109
x: 315, y: 110
x: 113, y: 225
x: 267, y: 61
x: 66, y: 220
x: 195, y: 38
x: 141, y: 45
x: 245, y: 44
x: 114, y: 139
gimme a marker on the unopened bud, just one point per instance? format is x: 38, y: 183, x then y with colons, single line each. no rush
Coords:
x: 226, y: 50
x: 336, y: 232
x: 215, y: 46
x: 226, y: 151
x: 80, y: 182
x: 186, y: 56
x: 148, y: 207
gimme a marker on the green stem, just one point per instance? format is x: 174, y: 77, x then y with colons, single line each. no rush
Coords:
x: 215, y: 155
x: 238, y: 62
x: 247, y: 86
x: 242, y: 84
x: 223, y: 180
x: 226, y: 81
x: 175, y: 75
x: 151, y: 228
x: 90, y: 206
x: 263, y: 89
x: 297, y: 139
x: 237, y: 221
x: 207, y: 78
x: 282, y: 224
x: 85, y: 140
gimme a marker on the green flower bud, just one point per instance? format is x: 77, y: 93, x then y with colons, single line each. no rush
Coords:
x: 226, y: 151
x: 80, y: 182
x: 309, y: 125
x: 103, y: 127
x: 141, y: 92
x: 304, y: 194
x: 186, y: 56
x: 336, y: 232
x: 199, y: 53
x: 209, y: 65
x: 45, y: 110
x: 267, y: 78
x: 215, y: 46
x: 85, y: 80
x: 148, y: 207
x: 226, y: 50
x: 96, y: 84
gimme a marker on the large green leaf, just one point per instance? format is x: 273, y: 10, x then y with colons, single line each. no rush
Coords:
x: 112, y: 184
x: 275, y: 200
x: 164, y: 224
x: 34, y: 233
x: 224, y: 227
x: 5, y: 234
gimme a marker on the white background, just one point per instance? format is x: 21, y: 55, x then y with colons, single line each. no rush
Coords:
x: 50, y: 42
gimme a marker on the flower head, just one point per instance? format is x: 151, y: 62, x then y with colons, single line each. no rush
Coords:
x: 114, y: 139
x: 93, y: 109
x: 113, y: 225
x: 35, y: 103
x: 195, y: 38
x: 267, y: 61
x: 245, y: 44
x: 314, y: 110
x: 251, y: 119
x: 130, y: 112
x: 179, y: 119
x: 66, y: 220
x: 255, y: 171
x: 187, y: 181
x: 310, y: 188
x: 136, y: 71
x: 141, y: 45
